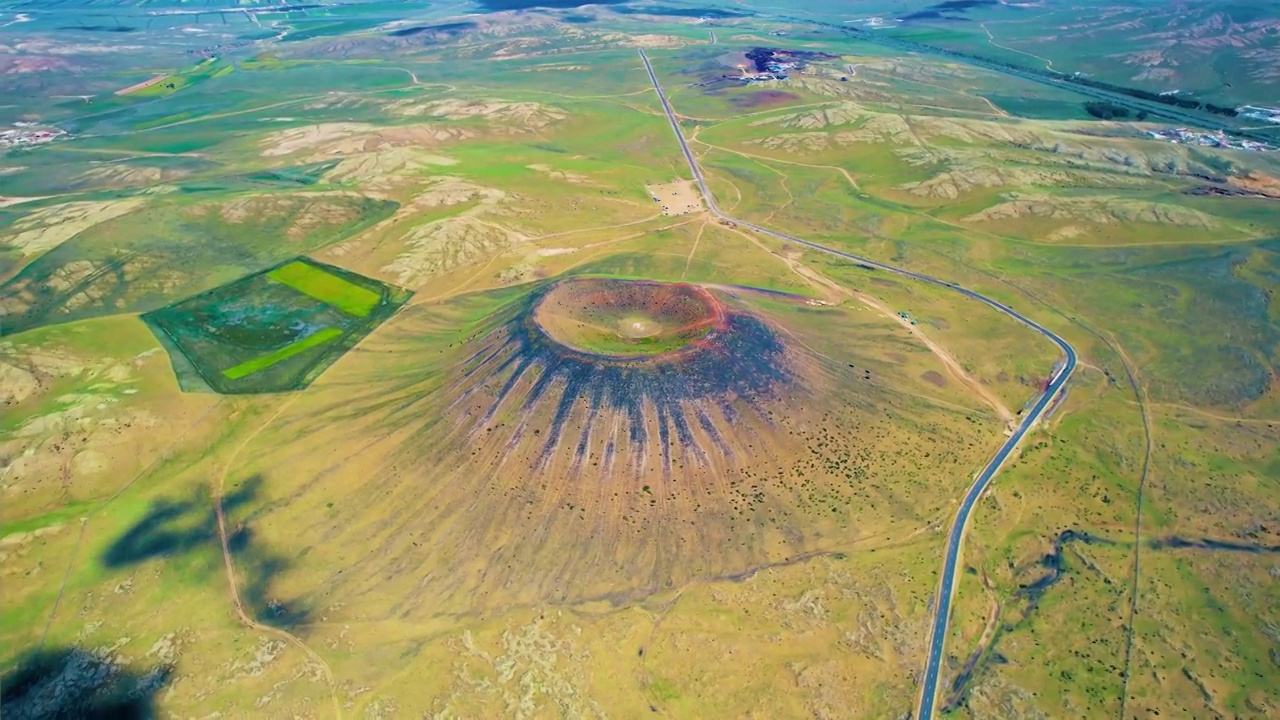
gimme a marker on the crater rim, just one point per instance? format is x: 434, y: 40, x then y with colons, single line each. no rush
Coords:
x: 627, y: 320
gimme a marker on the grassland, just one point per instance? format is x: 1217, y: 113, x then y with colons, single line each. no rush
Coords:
x: 392, y: 541
x: 208, y: 69
x: 1139, y: 45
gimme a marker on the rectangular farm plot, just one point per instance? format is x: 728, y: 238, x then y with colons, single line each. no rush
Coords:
x: 261, y: 363
x: 273, y: 331
x: 328, y: 288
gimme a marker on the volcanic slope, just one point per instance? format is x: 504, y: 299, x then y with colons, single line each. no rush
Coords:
x: 596, y: 438
x: 634, y: 374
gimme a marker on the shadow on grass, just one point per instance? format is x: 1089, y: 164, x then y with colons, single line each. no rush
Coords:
x: 1053, y: 568
x: 76, y: 683
x: 1181, y: 543
x: 175, y: 528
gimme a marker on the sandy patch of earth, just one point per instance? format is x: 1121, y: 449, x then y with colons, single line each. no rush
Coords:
x: 506, y: 116
x: 386, y: 169
x: 952, y: 184
x: 962, y: 155
x: 29, y: 64
x: 310, y: 211
x: 873, y: 127
x: 638, y: 328
x: 650, y: 41
x: 130, y: 175
x: 452, y: 191
x: 1156, y: 75
x: 424, y: 250
x: 830, y: 85
x: 796, y: 143
x: 142, y: 85
x: 1066, y: 232
x: 287, y: 142
x: 845, y: 113
x: 557, y: 68
x: 1100, y: 210
x: 80, y: 420
x: 329, y: 139
x: 1257, y: 182
x: 16, y: 384
x: 554, y: 174
x: 49, y: 227
x: 676, y: 198
x: 443, y: 245
x: 7, y: 201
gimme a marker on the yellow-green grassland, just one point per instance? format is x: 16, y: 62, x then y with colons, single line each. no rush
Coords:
x: 356, y: 371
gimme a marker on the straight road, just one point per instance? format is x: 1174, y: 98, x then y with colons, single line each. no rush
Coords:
x: 942, y: 609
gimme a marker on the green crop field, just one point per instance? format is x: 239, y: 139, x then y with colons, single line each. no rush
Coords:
x: 271, y: 331
x: 259, y: 363
x: 351, y: 370
x: 314, y: 282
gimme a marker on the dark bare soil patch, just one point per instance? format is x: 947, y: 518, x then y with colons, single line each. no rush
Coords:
x: 447, y: 29
x: 934, y: 377
x: 764, y: 98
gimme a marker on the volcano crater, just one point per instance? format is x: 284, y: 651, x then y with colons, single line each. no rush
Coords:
x: 628, y: 320
x: 613, y: 373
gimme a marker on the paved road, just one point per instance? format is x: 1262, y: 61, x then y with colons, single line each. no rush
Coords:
x: 942, y: 611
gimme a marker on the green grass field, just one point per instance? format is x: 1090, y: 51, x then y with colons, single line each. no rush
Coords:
x: 205, y: 70
x: 327, y: 288
x: 260, y: 363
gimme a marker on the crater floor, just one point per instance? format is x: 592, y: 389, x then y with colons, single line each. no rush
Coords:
x: 626, y: 318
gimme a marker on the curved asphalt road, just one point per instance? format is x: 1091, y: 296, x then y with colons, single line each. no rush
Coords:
x: 942, y: 613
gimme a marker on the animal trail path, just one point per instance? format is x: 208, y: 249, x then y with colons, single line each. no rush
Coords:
x: 234, y: 590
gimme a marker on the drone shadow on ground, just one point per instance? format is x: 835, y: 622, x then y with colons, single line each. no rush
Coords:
x: 78, y: 683
x: 75, y: 682
x: 173, y: 528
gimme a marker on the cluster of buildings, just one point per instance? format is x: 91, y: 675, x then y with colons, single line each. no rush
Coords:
x: 747, y: 78
x: 774, y: 64
x: 1187, y: 136
x: 875, y: 23
x: 28, y: 134
x: 780, y: 67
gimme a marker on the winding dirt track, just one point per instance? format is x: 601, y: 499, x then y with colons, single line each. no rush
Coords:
x: 245, y: 618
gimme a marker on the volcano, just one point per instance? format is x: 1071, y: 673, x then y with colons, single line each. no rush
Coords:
x: 594, y: 438
x: 620, y: 375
